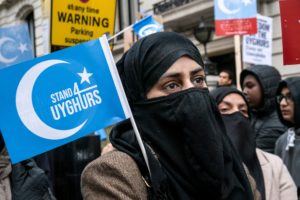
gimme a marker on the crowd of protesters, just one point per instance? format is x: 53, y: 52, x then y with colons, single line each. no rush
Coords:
x: 197, y: 144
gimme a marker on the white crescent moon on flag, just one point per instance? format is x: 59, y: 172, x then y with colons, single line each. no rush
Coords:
x: 26, y: 110
x: 3, y: 58
x: 224, y: 9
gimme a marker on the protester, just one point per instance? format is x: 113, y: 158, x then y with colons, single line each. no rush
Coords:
x: 225, y: 78
x: 189, y: 155
x: 288, y: 145
x: 23, y: 180
x: 259, y: 84
x: 271, y: 175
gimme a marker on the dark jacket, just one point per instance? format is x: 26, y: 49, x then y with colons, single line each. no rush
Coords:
x: 265, y: 121
x: 291, y: 154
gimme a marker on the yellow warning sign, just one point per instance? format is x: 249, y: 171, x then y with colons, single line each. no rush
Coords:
x: 77, y: 21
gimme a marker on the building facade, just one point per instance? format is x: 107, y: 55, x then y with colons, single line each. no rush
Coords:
x: 178, y: 15
x: 184, y: 15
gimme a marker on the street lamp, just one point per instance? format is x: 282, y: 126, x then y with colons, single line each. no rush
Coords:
x: 203, y: 33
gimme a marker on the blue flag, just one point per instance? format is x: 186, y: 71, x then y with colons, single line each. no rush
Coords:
x: 15, y: 45
x: 235, y: 17
x: 147, y: 26
x: 60, y: 97
x: 237, y: 9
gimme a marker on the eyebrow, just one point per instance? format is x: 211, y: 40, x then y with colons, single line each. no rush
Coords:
x: 176, y: 74
x: 228, y: 103
x: 286, y: 94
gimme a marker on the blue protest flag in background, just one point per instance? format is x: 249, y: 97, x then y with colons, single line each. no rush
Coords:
x: 235, y: 17
x: 147, y: 26
x: 60, y: 97
x: 15, y: 45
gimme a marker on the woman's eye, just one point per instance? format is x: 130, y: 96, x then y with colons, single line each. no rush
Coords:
x: 198, y: 81
x: 224, y: 110
x: 250, y: 86
x: 171, y: 86
x: 244, y: 112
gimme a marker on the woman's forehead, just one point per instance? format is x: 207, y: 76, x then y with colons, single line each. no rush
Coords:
x: 234, y: 98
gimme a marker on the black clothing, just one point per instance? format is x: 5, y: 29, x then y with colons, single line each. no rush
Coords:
x: 189, y: 155
x: 290, y: 153
x: 29, y: 182
x: 242, y: 136
x: 265, y: 121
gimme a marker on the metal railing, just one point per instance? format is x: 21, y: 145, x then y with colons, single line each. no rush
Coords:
x: 166, y: 5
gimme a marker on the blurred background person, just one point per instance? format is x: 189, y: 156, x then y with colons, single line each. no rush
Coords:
x: 225, y: 78
x: 288, y: 145
x: 22, y: 181
x: 259, y: 84
x: 271, y: 175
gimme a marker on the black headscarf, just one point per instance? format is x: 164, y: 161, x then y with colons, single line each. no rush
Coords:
x: 142, y: 66
x: 189, y: 155
x: 242, y: 135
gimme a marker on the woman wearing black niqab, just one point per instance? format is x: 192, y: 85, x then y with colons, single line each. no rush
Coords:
x: 189, y: 155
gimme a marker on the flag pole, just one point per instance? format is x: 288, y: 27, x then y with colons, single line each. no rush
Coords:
x: 121, y: 32
x: 123, y: 99
x: 140, y: 141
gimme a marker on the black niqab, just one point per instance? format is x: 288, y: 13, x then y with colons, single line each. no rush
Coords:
x: 190, y: 157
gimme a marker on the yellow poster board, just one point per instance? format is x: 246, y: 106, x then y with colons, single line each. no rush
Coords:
x: 77, y: 21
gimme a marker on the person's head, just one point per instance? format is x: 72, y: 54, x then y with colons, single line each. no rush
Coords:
x: 288, y: 98
x: 225, y: 78
x: 230, y: 101
x: 259, y: 84
x: 164, y: 81
x: 234, y: 109
x: 253, y: 91
x: 161, y: 64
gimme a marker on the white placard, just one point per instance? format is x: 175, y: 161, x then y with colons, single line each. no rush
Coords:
x: 257, y: 49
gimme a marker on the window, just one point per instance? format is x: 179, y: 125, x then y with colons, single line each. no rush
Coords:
x: 30, y: 21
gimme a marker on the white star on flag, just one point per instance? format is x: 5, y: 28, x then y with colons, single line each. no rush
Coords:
x: 85, y: 76
x: 246, y: 2
x: 22, y: 47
